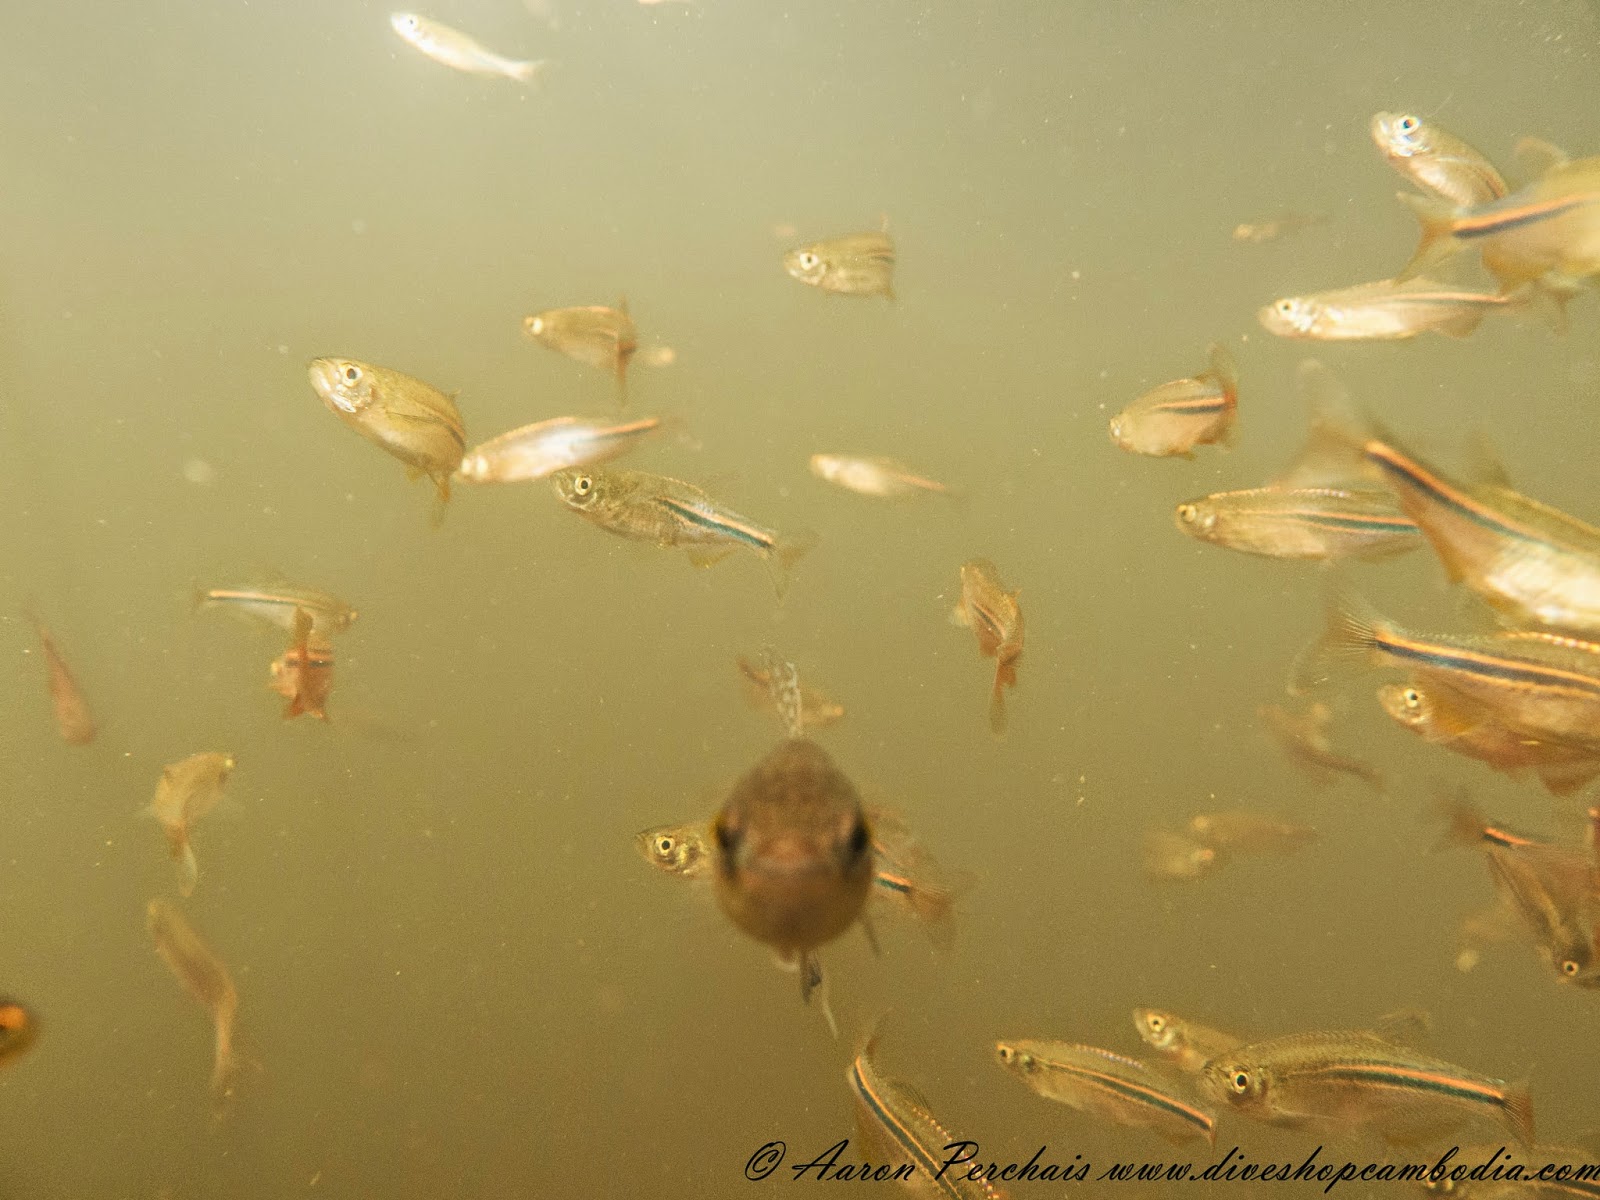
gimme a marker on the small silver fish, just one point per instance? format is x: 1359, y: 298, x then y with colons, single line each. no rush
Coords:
x: 884, y: 478
x: 456, y: 50
x: 540, y: 450
x: 1385, y: 310
x: 1435, y: 160
x: 858, y: 264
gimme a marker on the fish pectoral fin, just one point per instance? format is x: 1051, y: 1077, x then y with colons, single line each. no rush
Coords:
x: 707, y: 556
x: 1462, y: 326
x: 1404, y: 1027
x: 1536, y: 158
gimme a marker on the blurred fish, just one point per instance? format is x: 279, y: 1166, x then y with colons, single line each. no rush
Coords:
x: 1108, y: 1086
x: 1435, y: 160
x: 540, y: 450
x: 894, y: 1121
x: 595, y: 335
x: 995, y: 618
x: 858, y: 264
x: 304, y: 674
x: 669, y: 512
x: 1439, y: 715
x: 1337, y: 1082
x: 1498, y: 923
x: 1169, y: 855
x: 1257, y: 232
x: 1314, y: 524
x: 74, y: 721
x: 881, y: 477
x: 188, y: 790
x: 204, y: 977
x: 279, y: 606
x: 794, y: 859
x: 1187, y: 1045
x: 1240, y: 831
x: 1548, y: 231
x: 416, y: 423
x: 456, y: 50
x: 1545, y: 689
x: 816, y: 710
x: 1178, y: 416
x: 1385, y: 310
x: 1304, y: 738
x: 19, y: 1029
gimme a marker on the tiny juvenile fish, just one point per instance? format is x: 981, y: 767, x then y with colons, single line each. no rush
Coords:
x: 1168, y: 855
x: 1240, y: 831
x: 683, y: 850
x: 412, y: 420
x: 895, y: 1121
x: 540, y: 450
x: 19, y: 1029
x: 858, y: 264
x: 595, y: 335
x: 884, y: 478
x: 1303, y: 736
x: 1257, y: 232
x: 816, y: 710
x: 204, y: 977
x: 1108, y: 1086
x: 1187, y: 1045
x: 278, y: 606
x: 188, y: 790
x: 669, y: 512
x: 1385, y: 310
x: 1435, y: 160
x: 303, y: 675
x: 1311, y: 524
x: 74, y: 721
x: 1439, y: 715
x: 995, y: 618
x: 1178, y: 416
x: 1548, y: 232
x: 456, y: 50
x: 1336, y: 1082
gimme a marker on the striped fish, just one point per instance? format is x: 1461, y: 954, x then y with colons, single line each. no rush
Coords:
x: 1385, y: 310
x: 896, y: 1121
x: 1312, y: 524
x: 1339, y: 1081
x: 1178, y: 416
x: 1109, y: 1086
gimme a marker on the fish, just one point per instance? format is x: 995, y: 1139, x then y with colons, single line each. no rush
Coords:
x: 1543, y: 688
x: 683, y: 850
x: 204, y: 977
x: 1435, y: 160
x: 884, y: 478
x: 995, y: 618
x: 540, y: 450
x: 1334, y: 1082
x: 1310, y: 524
x: 1440, y: 715
x: 858, y: 264
x: 414, y: 421
x: 816, y: 710
x: 670, y: 512
x: 280, y: 605
x: 1168, y: 855
x: 1178, y: 416
x: 74, y: 721
x: 894, y: 1120
x: 793, y: 847
x: 188, y: 790
x: 1187, y: 1045
x: 304, y: 674
x: 19, y: 1029
x: 594, y: 335
x: 456, y: 50
x: 1303, y: 736
x: 1547, y: 232
x: 1240, y: 831
x: 1386, y: 310
x: 1108, y: 1086
x: 1257, y: 232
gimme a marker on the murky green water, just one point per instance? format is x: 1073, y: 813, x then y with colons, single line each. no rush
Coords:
x: 458, y: 977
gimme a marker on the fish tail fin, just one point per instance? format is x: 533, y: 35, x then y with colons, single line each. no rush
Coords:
x: 997, y: 700
x: 787, y: 551
x: 1464, y: 820
x: 1462, y: 326
x: 934, y: 909
x: 527, y: 72
x: 1436, y: 243
x: 1352, y: 632
x: 188, y: 867
x: 1519, y: 1112
x: 1225, y: 371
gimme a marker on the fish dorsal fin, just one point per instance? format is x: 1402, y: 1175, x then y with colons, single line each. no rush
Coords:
x: 1483, y: 464
x: 1536, y: 158
x: 783, y: 682
x: 1407, y: 1027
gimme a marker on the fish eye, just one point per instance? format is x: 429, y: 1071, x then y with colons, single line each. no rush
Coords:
x: 859, y: 839
x: 1005, y: 1053
x: 1570, y: 968
x: 808, y: 260
x: 664, y: 845
x: 1156, y: 1022
x: 1187, y: 513
x: 1240, y: 1081
x: 727, y: 838
x: 1285, y: 307
x: 1409, y: 124
x: 1411, y: 698
x: 536, y: 325
x: 351, y: 373
x: 582, y: 485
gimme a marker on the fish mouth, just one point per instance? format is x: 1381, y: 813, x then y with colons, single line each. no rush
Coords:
x: 324, y: 374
